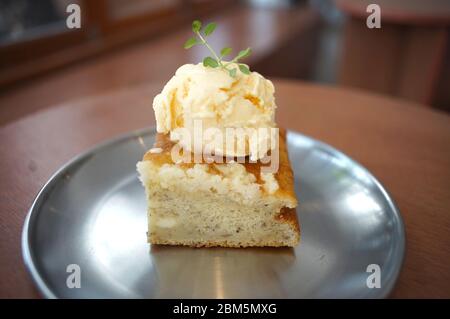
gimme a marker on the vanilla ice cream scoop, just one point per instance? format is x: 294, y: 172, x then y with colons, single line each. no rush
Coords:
x: 199, y: 99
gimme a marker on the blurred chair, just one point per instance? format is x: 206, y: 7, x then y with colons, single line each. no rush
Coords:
x: 407, y: 57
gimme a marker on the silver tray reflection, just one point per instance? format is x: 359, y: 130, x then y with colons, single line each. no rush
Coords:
x: 92, y: 214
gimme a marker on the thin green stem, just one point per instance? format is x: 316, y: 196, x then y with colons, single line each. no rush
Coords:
x: 230, y: 62
x: 219, y: 60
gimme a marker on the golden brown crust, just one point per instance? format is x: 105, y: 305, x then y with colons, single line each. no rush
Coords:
x: 220, y: 244
x: 284, y: 174
x: 223, y: 243
x: 289, y: 215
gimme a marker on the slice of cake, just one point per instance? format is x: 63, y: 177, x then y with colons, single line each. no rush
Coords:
x: 212, y: 111
x: 228, y: 204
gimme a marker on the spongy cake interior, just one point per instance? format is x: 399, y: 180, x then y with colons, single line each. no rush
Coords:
x: 227, y: 204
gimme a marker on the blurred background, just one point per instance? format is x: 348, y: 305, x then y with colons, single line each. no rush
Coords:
x: 124, y: 43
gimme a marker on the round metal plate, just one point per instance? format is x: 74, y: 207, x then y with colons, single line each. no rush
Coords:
x: 92, y: 214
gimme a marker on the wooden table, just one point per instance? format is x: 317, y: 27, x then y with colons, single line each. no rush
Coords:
x: 406, y: 146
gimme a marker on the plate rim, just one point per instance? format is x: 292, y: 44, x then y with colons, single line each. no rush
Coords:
x: 27, y: 255
x: 45, y: 290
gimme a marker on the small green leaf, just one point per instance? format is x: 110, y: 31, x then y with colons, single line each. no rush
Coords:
x: 244, y: 69
x: 190, y: 43
x: 196, y: 26
x: 244, y: 53
x: 232, y: 72
x: 208, y: 61
x: 210, y: 27
x: 225, y: 51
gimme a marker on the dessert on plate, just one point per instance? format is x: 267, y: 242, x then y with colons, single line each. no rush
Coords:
x: 218, y: 173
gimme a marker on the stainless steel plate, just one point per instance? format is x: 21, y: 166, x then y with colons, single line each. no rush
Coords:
x: 92, y: 213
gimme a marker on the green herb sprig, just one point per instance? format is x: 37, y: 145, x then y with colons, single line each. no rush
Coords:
x: 216, y: 60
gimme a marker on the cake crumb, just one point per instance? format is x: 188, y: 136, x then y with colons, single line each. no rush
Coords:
x: 270, y: 183
x: 155, y: 150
